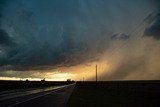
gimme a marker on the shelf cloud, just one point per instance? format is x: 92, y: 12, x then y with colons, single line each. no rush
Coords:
x: 45, y: 35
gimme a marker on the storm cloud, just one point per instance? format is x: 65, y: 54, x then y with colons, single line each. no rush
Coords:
x: 44, y: 35
x: 63, y: 34
x: 120, y: 36
x: 5, y: 40
x: 154, y: 29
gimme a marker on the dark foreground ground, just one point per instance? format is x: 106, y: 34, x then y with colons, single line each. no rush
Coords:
x: 91, y: 94
x: 35, y: 93
x: 116, y: 94
x: 54, y: 97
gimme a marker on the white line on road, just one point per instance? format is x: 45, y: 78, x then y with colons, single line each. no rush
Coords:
x: 57, y: 89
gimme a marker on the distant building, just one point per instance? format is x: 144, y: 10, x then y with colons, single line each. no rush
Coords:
x: 68, y: 80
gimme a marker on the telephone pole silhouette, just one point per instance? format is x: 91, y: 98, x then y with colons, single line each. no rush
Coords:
x: 96, y: 74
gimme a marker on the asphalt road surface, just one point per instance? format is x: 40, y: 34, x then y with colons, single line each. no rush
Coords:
x: 37, y: 97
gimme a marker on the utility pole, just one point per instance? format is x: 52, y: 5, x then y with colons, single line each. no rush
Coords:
x: 96, y: 73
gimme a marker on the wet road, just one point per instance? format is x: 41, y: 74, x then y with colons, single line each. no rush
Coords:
x: 41, y: 97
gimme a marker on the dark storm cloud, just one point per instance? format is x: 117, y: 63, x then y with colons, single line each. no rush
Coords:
x: 120, y: 36
x: 54, y: 33
x: 52, y: 36
x: 5, y: 40
x: 2, y: 5
x: 154, y: 29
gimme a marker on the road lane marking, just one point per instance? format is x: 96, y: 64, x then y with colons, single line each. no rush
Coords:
x: 58, y: 88
x: 17, y: 93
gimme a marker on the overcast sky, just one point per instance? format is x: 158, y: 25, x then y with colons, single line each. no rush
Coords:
x: 41, y: 37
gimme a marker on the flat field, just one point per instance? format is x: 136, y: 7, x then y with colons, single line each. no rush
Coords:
x: 116, y: 94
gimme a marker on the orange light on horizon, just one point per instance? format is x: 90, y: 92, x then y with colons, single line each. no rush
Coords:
x: 77, y: 73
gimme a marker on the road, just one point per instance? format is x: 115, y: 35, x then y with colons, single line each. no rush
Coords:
x: 37, y: 97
